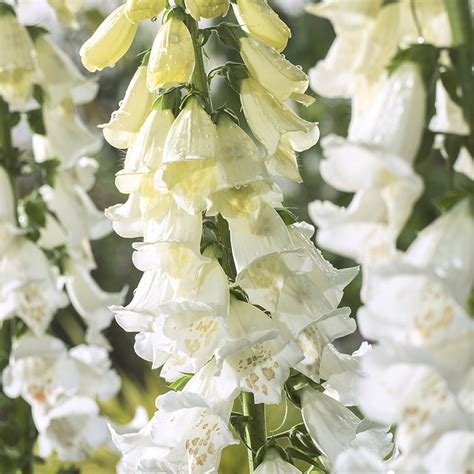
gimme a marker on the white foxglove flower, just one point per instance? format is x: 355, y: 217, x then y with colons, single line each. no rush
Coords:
x: 70, y: 83
x: 184, y: 435
x: 395, y: 119
x: 109, y: 42
x: 386, y: 189
x: 133, y: 110
x: 199, y: 9
x: 189, y: 158
x: 73, y: 428
x: 359, y: 460
x: 271, y: 120
x: 273, y: 464
x: 8, y: 225
x: 40, y: 371
x: 127, y: 217
x: 28, y: 288
x: 260, y: 358
x: 172, y: 59
x: 138, y: 10
x: 97, y: 379
x: 66, y: 10
x: 68, y: 142
x: 89, y: 300
x: 75, y: 209
x: 18, y: 68
x: 260, y: 21
x: 280, y: 77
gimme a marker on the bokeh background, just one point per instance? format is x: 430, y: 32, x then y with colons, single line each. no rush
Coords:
x: 311, y: 40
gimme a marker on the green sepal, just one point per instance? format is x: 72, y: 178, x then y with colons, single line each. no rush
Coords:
x: 6, y: 9
x: 179, y: 384
x: 234, y: 73
x: 36, y: 122
x: 32, y: 215
x: 230, y: 34
x: 145, y: 57
x: 169, y: 100
x: 449, y: 79
x: 301, y: 439
x: 287, y: 216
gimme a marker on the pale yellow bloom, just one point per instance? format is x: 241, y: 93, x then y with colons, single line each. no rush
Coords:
x: 125, y: 122
x: 172, y: 56
x: 109, y: 42
x: 206, y: 8
x: 144, y: 9
x: 271, y: 120
x: 271, y: 69
x: 284, y: 162
x: 258, y: 19
x: 17, y: 60
x: 66, y: 11
x: 189, y: 169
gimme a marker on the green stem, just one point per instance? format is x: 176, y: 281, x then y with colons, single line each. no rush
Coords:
x: 255, y: 431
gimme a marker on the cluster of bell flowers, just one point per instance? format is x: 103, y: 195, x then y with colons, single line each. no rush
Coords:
x: 61, y: 385
x: 420, y: 375
x: 230, y: 293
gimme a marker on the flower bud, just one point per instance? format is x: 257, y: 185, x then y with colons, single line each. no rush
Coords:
x: 271, y: 69
x: 206, y: 8
x: 172, y: 56
x: 126, y: 122
x: 17, y: 60
x: 271, y: 120
x: 70, y: 83
x: 189, y: 158
x: 263, y: 23
x: 109, y: 42
x: 143, y: 9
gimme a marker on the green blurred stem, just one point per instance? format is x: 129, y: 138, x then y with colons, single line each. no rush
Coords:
x: 255, y: 429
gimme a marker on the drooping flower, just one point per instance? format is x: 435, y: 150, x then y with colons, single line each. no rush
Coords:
x: 172, y: 59
x: 109, y: 42
x: 138, y: 10
x: 274, y: 464
x: 206, y: 8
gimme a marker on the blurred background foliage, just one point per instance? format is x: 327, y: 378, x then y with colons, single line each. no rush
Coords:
x: 311, y: 40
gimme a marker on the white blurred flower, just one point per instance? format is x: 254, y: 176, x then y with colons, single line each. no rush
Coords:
x: 8, y: 225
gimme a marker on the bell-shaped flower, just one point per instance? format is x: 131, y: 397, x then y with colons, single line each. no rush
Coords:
x: 271, y: 120
x: 18, y: 68
x: 68, y: 142
x: 386, y: 190
x: 199, y: 9
x: 66, y: 11
x: 189, y: 158
x: 280, y: 77
x: 40, y: 371
x: 75, y: 209
x: 284, y: 162
x: 260, y: 21
x: 172, y: 58
x: 138, y: 10
x: 126, y: 122
x: 394, y: 120
x: 73, y: 429
x: 110, y: 41
x: 448, y: 118
x: 89, y: 300
x: 145, y: 154
x: 274, y: 464
x: 445, y: 248
x: 127, y: 217
x: 359, y: 460
x: 8, y: 225
x: 97, y: 378
x: 70, y: 83
x: 28, y: 288
x: 260, y: 357
x: 184, y: 435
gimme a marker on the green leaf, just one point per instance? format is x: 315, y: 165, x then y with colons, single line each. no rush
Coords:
x: 450, y: 82
x: 301, y: 439
x: 230, y: 34
x: 35, y: 121
x: 179, y: 384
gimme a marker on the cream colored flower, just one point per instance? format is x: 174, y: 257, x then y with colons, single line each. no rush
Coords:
x: 172, y: 56
x: 189, y: 169
x: 17, y: 60
x: 272, y: 70
x: 109, y: 42
x: 144, y: 9
x: 125, y: 122
x: 69, y: 83
x: 258, y: 19
x: 66, y: 11
x: 206, y: 8
x: 270, y: 120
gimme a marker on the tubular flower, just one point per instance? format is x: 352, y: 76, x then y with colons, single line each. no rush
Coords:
x: 258, y: 19
x: 138, y: 10
x: 207, y: 8
x: 126, y: 122
x: 172, y: 56
x: 109, y: 42
x: 18, y: 68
